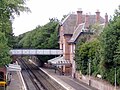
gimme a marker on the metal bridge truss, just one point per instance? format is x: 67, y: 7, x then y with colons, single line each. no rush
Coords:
x: 36, y: 52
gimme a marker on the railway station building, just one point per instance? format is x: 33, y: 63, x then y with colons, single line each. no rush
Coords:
x: 73, y: 28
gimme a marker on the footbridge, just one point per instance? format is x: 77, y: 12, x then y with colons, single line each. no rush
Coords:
x: 36, y: 52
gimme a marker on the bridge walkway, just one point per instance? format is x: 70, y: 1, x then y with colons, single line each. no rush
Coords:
x: 36, y: 52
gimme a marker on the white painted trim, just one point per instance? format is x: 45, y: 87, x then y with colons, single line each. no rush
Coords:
x: 65, y: 19
x: 67, y: 88
x: 21, y: 77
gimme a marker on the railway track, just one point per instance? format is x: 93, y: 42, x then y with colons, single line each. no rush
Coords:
x: 39, y: 80
x: 32, y: 80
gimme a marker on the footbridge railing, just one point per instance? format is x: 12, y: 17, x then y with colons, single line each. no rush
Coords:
x: 36, y: 52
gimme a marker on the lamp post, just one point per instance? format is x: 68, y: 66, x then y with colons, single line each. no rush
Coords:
x: 89, y: 71
x: 115, y: 79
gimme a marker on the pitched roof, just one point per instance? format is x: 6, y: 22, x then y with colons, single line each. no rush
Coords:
x: 69, y: 24
x: 77, y: 32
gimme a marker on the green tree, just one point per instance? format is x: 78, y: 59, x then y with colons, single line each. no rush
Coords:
x: 4, y: 50
x: 42, y: 36
x: 110, y: 48
x: 88, y: 51
x: 8, y: 8
x: 103, y: 49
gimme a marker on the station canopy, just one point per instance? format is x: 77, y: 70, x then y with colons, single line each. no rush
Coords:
x: 59, y: 61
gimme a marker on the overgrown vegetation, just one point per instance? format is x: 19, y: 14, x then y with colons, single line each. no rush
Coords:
x: 8, y: 8
x: 103, y: 51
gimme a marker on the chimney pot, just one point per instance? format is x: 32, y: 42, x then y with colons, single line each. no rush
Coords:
x: 97, y: 10
x: 79, y: 9
x: 87, y: 20
x: 106, y: 18
x: 79, y: 16
x: 97, y: 16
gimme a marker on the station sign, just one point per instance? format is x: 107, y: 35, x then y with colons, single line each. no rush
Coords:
x: 13, y: 67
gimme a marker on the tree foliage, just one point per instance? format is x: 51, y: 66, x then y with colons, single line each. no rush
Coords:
x: 110, y: 38
x: 103, y: 51
x: 4, y: 50
x: 42, y: 37
x: 88, y: 51
x: 8, y: 8
x: 12, y: 7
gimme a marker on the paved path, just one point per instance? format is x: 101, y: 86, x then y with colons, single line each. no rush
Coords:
x: 16, y: 82
x: 67, y: 81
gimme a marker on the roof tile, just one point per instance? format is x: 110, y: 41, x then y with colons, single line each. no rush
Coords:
x: 69, y: 24
x: 77, y: 32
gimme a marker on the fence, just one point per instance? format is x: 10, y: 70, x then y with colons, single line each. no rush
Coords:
x: 96, y: 82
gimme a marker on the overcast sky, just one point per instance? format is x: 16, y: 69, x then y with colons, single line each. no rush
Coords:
x: 42, y: 10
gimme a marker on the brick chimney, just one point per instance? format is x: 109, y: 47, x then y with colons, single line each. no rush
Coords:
x: 106, y: 19
x: 97, y: 16
x: 79, y: 17
x: 87, y: 20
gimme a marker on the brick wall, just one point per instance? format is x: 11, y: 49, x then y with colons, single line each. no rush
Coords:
x: 3, y: 69
x: 95, y: 82
x: 63, y: 43
x: 61, y: 37
x: 66, y: 47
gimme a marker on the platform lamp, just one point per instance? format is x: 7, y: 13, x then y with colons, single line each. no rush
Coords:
x: 115, y: 79
x: 115, y: 66
x: 89, y: 60
x: 115, y: 88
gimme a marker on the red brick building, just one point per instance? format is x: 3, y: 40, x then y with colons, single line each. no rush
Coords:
x: 72, y: 27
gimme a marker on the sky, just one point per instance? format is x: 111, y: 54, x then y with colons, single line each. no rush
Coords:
x: 42, y: 10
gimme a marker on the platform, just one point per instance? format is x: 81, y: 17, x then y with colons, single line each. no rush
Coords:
x: 67, y: 81
x: 16, y: 82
